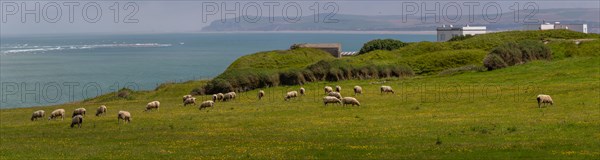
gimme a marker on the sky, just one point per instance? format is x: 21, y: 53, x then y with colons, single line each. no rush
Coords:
x: 156, y: 16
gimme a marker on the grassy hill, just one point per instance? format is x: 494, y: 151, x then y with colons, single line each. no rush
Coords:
x: 470, y: 115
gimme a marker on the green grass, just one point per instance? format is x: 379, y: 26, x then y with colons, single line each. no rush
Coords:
x: 475, y: 115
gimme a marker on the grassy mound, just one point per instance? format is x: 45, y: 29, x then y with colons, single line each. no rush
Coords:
x: 299, y: 66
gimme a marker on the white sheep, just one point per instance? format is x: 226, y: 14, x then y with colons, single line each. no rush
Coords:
x: 331, y: 99
x: 290, y: 95
x: 101, y: 110
x: 261, y: 94
x: 335, y: 94
x: 186, y: 97
x: 191, y: 100
x: 125, y: 116
x: 386, y: 89
x: 206, y: 104
x: 302, y: 91
x: 37, y: 114
x: 338, y: 88
x: 357, y: 90
x: 77, y: 120
x: 152, y: 105
x: 79, y: 111
x: 220, y: 96
x: 233, y: 95
x: 228, y: 97
x: 544, y: 99
x: 350, y: 100
x: 56, y: 113
x: 214, y: 97
x: 328, y: 89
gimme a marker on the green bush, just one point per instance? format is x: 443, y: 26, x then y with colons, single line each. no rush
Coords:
x: 460, y: 38
x: 511, y: 53
x: 381, y: 44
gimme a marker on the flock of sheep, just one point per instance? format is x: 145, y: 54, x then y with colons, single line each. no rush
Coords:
x: 332, y: 96
x: 79, y: 113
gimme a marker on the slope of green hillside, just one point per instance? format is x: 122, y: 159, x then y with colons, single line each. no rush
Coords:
x: 483, y: 115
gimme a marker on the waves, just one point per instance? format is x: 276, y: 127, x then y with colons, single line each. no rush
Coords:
x: 26, y: 48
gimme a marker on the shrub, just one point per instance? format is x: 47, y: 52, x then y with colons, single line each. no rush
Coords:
x: 197, y: 91
x: 460, y: 38
x: 124, y: 93
x: 510, y: 54
x: 381, y: 44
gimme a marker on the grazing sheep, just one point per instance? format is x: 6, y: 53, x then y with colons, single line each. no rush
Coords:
x: 220, y: 96
x: 387, y: 89
x: 350, y: 100
x: 290, y: 95
x: 232, y: 94
x: 101, y: 110
x: 302, y: 91
x: 214, y: 97
x: 338, y: 89
x: 261, y: 94
x: 544, y: 99
x: 328, y: 89
x: 56, y: 113
x: 335, y: 94
x: 125, y: 116
x: 191, y: 100
x: 77, y: 120
x: 331, y: 99
x: 37, y: 114
x: 186, y: 97
x: 227, y: 97
x: 206, y: 104
x: 357, y: 90
x: 152, y: 105
x: 79, y: 111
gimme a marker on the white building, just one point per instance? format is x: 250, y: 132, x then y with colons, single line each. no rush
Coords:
x: 446, y: 33
x: 547, y: 26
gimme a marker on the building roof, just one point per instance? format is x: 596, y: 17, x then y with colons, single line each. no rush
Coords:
x: 320, y: 45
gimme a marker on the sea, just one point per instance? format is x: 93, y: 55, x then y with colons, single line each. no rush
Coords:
x: 54, y: 69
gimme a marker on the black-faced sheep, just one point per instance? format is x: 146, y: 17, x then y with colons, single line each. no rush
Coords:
x: 101, y: 110
x: 338, y: 89
x: 261, y: 94
x: 37, y: 114
x: 56, y: 113
x: 350, y: 100
x: 125, y: 116
x: 77, y: 120
x: 302, y: 91
x: 357, y: 90
x: 206, y: 104
x: 79, y: 111
x: 328, y: 89
x: 152, y: 105
x: 544, y: 99
x: 335, y: 94
x: 386, y: 89
x: 331, y: 99
x: 290, y: 95
x: 189, y: 101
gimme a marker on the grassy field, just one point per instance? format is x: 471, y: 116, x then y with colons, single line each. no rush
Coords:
x: 475, y: 115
